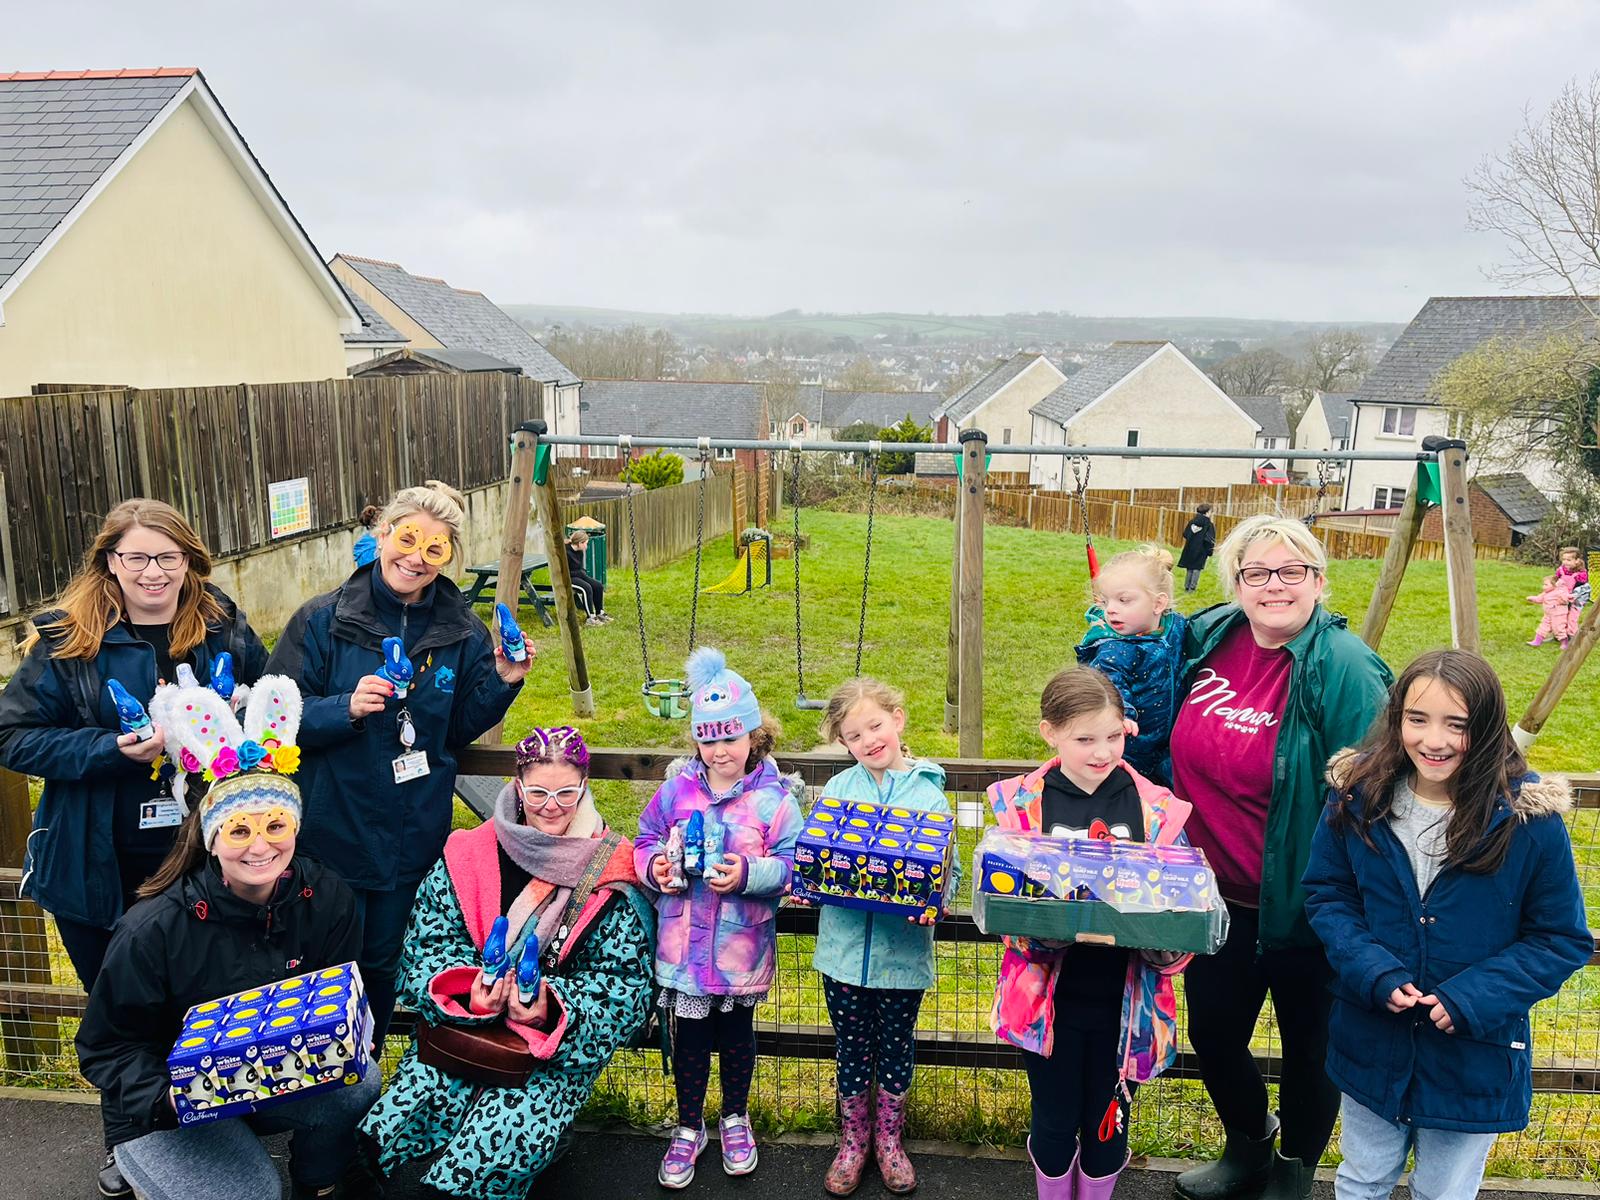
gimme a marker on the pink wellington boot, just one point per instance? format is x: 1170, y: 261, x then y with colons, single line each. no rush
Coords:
x: 855, y: 1138
x: 899, y: 1176
x: 1054, y: 1187
x: 1087, y: 1187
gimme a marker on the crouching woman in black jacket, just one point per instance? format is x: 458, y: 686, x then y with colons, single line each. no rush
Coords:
x: 230, y: 909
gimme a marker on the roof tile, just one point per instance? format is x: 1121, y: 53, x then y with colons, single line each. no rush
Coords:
x: 1097, y: 376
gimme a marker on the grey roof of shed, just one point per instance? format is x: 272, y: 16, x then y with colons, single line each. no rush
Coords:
x: 672, y: 408
x: 460, y: 319
x: 1336, y: 409
x: 59, y: 132
x: 980, y: 391
x: 458, y: 361
x: 1514, y: 494
x: 1099, y: 375
x: 1449, y: 326
x: 1267, y: 412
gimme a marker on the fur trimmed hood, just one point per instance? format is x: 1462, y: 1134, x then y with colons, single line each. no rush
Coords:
x: 1532, y: 797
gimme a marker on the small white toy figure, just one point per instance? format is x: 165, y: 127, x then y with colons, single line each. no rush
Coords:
x: 205, y: 1089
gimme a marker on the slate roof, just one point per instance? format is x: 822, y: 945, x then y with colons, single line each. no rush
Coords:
x: 967, y: 401
x: 672, y: 408
x: 462, y: 361
x: 373, y: 327
x: 1100, y: 373
x: 460, y: 319
x: 1337, y: 408
x: 1449, y: 326
x: 59, y: 131
x: 837, y: 409
x: 1267, y: 412
x: 1514, y: 494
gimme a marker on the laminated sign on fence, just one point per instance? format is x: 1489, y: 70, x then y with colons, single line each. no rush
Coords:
x: 291, y: 506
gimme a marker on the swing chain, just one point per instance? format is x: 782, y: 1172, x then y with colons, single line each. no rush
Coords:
x: 866, y: 566
x: 633, y: 555
x: 1323, y: 472
x: 794, y: 503
x: 1081, y: 485
x: 699, y: 537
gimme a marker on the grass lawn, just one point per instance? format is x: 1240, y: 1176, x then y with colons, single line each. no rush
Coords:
x: 1035, y: 585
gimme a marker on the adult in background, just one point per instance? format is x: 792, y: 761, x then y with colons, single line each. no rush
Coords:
x: 593, y: 590
x: 380, y: 767
x: 547, y: 862
x: 137, y: 608
x: 1199, y: 541
x: 1273, y: 685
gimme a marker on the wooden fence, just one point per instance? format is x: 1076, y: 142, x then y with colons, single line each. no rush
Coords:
x: 1165, y: 526
x: 67, y: 458
x: 666, y: 520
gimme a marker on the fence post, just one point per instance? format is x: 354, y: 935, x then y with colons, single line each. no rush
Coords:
x: 548, y: 506
x: 9, y: 601
x: 1395, y: 560
x: 1114, y: 507
x: 974, y: 446
x: 1568, y: 664
x: 24, y: 949
x: 952, y: 677
x: 1460, y: 563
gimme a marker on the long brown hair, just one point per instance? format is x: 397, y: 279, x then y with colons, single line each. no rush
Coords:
x: 92, y: 601
x: 1077, y: 692
x: 188, y: 852
x: 1488, y: 769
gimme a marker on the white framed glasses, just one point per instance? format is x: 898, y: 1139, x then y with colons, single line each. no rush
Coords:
x: 565, y: 798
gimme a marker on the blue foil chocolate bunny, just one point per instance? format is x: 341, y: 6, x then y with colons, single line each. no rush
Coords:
x: 512, y: 642
x: 130, y: 713
x: 528, y: 970
x: 397, y: 668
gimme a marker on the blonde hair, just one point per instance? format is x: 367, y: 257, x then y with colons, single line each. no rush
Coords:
x: 1572, y: 550
x: 92, y: 601
x: 1295, y: 535
x: 848, y: 695
x: 1077, y: 692
x: 438, y: 500
x: 1153, y: 564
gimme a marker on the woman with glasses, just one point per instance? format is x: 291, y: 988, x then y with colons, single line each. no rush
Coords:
x: 1273, y: 685
x: 547, y: 863
x: 137, y: 609
x: 381, y: 737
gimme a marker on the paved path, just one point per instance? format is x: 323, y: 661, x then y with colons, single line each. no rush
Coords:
x: 49, y: 1151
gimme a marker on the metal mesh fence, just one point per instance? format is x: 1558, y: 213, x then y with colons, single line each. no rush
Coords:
x: 968, y: 1087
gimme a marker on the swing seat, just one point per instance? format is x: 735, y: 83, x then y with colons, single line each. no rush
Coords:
x: 666, y: 698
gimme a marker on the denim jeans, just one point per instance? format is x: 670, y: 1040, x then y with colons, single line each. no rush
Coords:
x: 384, y: 917
x: 1449, y: 1164
x: 225, y: 1160
x: 1191, y: 580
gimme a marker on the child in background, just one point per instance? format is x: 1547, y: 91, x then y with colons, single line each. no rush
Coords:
x: 1093, y: 1022
x: 875, y: 966
x: 1442, y: 883
x: 716, y: 939
x: 1135, y: 639
x: 366, y: 548
x: 1560, y: 614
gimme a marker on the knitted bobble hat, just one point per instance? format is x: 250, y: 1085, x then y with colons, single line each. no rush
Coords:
x: 722, y: 703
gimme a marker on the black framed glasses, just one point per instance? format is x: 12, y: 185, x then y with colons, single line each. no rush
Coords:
x: 169, y: 560
x: 1290, y: 573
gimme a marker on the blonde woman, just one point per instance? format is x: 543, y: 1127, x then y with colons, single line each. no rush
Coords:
x: 1273, y: 684
x: 380, y: 764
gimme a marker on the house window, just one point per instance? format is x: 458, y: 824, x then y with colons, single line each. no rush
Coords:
x: 1005, y: 436
x: 1400, y: 422
x: 772, y: 429
x: 1388, y: 497
x: 602, y: 452
x: 1269, y: 443
x: 1540, y: 429
x: 1133, y: 437
x: 726, y: 453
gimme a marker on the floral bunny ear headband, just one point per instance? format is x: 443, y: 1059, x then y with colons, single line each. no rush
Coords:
x: 211, y: 741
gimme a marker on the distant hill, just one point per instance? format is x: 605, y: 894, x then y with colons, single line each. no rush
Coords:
x: 934, y: 327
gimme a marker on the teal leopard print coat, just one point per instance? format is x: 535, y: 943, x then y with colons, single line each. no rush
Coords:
x: 492, y: 1143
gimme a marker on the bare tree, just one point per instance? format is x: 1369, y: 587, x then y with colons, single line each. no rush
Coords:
x: 1336, y: 361
x: 1258, y: 372
x: 1542, y: 193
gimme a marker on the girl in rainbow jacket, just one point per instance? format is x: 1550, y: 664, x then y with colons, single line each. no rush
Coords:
x: 1092, y: 1033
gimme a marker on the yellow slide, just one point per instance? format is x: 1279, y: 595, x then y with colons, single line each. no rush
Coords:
x: 735, y: 583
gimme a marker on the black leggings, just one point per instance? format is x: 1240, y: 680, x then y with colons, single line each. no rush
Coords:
x: 874, y: 1032
x: 733, y: 1035
x: 1224, y: 993
x: 1072, y: 1093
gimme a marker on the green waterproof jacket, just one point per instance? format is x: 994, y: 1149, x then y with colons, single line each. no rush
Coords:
x: 1337, y: 687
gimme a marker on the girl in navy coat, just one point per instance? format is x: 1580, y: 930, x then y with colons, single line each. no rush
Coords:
x: 1442, y: 884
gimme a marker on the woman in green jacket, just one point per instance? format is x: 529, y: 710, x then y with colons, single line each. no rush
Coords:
x: 1273, y: 685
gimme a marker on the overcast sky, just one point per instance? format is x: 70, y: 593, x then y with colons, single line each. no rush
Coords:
x: 1298, y: 160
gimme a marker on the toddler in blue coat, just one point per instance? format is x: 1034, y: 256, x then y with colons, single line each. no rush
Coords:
x: 1135, y: 639
x: 1442, y: 884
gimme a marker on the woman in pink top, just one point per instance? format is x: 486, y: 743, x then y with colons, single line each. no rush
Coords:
x: 1273, y: 685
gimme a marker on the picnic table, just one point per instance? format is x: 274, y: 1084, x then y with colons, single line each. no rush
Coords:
x: 486, y: 576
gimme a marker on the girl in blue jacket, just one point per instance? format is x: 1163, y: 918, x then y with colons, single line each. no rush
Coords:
x: 874, y: 966
x: 1442, y: 884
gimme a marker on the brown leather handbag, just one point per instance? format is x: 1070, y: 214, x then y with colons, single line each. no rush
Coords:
x: 492, y: 1055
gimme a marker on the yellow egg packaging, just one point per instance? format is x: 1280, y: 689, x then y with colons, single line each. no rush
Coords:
x: 1112, y: 893
x: 264, y: 1046
x: 873, y: 856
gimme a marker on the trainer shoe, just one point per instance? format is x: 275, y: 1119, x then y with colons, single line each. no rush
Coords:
x: 677, y: 1165
x: 738, y: 1144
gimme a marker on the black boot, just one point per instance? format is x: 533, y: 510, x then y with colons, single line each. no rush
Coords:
x: 110, y: 1180
x: 1243, y: 1169
x: 1290, y: 1179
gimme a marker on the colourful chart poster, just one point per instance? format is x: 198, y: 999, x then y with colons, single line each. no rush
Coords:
x: 290, y: 500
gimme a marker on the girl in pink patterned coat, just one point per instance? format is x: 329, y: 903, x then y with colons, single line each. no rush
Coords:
x: 1094, y: 1031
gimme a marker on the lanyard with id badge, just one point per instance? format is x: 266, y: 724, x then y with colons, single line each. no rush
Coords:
x: 409, y: 764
